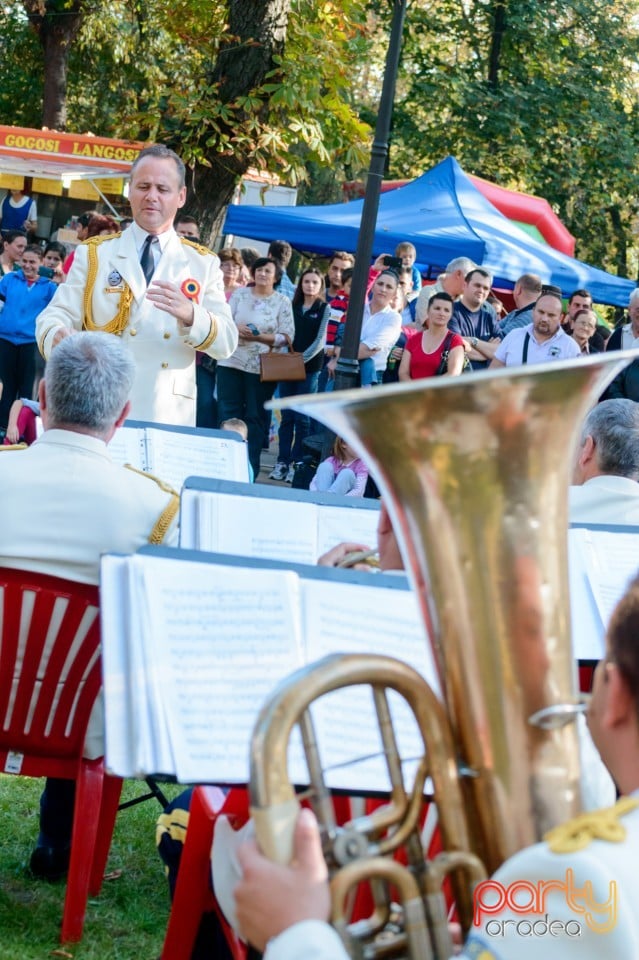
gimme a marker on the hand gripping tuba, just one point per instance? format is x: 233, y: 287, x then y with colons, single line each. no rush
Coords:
x: 362, y: 848
x: 475, y: 472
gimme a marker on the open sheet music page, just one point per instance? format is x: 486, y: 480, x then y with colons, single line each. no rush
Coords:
x: 375, y: 620
x: 267, y: 529
x: 267, y: 522
x: 219, y: 639
x: 136, y: 732
x: 602, y: 562
x: 115, y: 625
x: 339, y: 525
x: 128, y: 445
x: 175, y: 455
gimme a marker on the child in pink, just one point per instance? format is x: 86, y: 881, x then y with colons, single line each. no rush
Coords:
x: 343, y: 472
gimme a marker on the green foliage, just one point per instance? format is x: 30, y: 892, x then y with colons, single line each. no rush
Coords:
x: 558, y: 117
x: 21, y: 72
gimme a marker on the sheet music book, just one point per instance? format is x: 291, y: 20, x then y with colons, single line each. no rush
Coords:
x: 193, y: 644
x: 174, y: 453
x: 259, y: 520
x: 603, y: 559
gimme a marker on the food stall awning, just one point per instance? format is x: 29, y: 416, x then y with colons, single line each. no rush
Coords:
x: 65, y: 157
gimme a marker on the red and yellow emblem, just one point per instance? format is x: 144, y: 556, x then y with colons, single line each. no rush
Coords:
x: 191, y: 289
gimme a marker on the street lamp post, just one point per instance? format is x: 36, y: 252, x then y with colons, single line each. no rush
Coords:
x: 347, y: 364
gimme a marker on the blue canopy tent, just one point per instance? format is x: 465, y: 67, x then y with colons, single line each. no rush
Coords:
x: 445, y: 216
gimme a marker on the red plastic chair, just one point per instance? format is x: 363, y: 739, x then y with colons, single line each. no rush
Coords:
x: 193, y: 895
x: 50, y: 676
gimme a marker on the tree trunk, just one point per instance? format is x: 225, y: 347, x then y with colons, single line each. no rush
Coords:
x: 499, y: 28
x: 56, y: 31
x: 256, y: 34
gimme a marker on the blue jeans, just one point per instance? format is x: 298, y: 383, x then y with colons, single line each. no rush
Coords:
x: 243, y: 395
x: 328, y: 482
x: 294, y: 426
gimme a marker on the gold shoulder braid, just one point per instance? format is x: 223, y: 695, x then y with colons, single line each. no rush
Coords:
x: 197, y: 246
x: 167, y: 516
x: 578, y: 833
x: 119, y: 322
x: 12, y: 446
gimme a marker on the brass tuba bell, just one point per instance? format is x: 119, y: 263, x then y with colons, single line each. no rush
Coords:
x: 475, y: 472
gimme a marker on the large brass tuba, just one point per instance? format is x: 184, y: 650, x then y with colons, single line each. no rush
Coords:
x: 475, y: 472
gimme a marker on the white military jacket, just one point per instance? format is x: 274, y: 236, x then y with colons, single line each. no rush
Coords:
x: 106, y: 291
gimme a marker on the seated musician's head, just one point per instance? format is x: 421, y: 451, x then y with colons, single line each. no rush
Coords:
x: 87, y: 384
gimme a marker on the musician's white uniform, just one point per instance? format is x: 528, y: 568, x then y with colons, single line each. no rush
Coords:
x: 609, y: 855
x: 106, y: 290
x: 605, y: 499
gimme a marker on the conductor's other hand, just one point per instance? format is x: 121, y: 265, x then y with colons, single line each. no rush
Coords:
x: 271, y: 897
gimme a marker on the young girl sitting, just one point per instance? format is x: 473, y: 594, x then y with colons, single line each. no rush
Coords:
x: 342, y: 473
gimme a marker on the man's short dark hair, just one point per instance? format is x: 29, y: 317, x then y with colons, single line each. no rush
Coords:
x: 54, y: 246
x: 161, y: 152
x: 34, y: 248
x: 280, y: 250
x: 341, y: 255
x: 481, y: 272
x: 579, y: 293
x: 550, y: 292
x: 185, y: 218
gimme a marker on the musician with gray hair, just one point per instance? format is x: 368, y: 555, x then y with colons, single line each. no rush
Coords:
x: 606, y: 468
x: 574, y: 894
x: 66, y: 503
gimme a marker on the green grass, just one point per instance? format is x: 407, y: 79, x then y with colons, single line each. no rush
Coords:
x: 125, y: 922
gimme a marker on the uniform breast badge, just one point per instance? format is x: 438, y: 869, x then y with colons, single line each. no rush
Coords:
x: 114, y: 279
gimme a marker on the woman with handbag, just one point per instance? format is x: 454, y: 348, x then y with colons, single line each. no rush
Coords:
x: 437, y: 351
x: 311, y: 313
x: 264, y: 320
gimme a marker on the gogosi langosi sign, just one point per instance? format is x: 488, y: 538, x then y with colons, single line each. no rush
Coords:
x: 531, y: 905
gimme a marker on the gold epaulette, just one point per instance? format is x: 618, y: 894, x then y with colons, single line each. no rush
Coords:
x: 169, y: 513
x: 197, y: 246
x: 96, y: 241
x: 13, y: 446
x: 578, y: 833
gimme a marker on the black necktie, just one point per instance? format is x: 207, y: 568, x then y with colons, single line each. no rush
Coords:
x: 147, y: 261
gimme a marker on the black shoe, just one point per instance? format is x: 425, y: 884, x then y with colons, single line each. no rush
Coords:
x: 49, y: 863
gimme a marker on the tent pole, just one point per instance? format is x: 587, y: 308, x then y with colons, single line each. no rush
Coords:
x: 347, y: 365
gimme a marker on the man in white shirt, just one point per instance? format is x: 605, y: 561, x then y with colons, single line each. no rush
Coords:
x: 605, y: 487
x: 161, y: 294
x: 541, y: 341
x: 571, y: 897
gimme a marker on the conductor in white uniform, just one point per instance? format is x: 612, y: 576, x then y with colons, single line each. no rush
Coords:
x: 162, y: 294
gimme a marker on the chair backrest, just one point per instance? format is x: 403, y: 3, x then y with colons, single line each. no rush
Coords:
x: 50, y: 671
